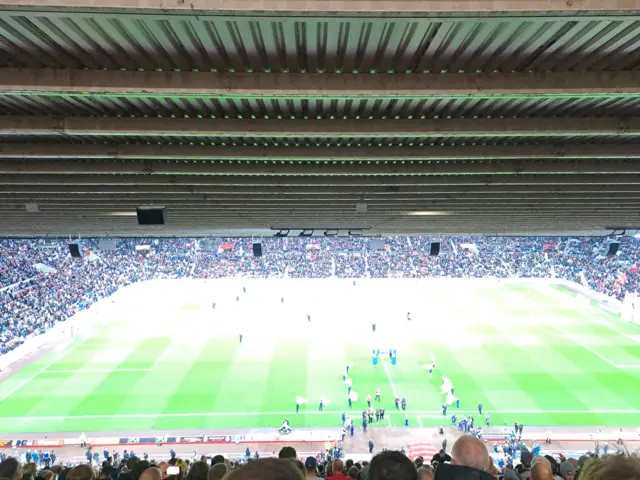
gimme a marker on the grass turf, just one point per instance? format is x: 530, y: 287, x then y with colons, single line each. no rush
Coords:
x: 527, y: 352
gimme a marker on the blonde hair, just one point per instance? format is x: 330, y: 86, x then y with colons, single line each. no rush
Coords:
x: 612, y: 467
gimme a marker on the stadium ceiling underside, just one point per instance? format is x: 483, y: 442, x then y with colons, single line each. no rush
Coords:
x: 473, y: 117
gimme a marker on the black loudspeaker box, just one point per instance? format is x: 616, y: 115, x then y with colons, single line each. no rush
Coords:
x: 435, y: 249
x: 150, y: 216
x: 257, y: 249
x: 613, y: 249
x: 74, y: 250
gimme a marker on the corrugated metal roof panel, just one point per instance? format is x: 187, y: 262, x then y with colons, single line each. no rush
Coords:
x: 253, y: 43
x: 376, y: 108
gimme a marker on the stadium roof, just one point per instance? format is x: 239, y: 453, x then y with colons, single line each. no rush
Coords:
x: 472, y: 117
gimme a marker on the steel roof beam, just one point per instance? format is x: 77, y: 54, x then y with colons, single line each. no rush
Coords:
x: 29, y: 185
x: 194, y: 127
x: 363, y: 8
x: 305, y: 85
x: 324, y: 170
x: 49, y: 199
x: 553, y: 181
x: 200, y: 152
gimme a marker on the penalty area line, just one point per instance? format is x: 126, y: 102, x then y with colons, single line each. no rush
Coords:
x: 422, y: 413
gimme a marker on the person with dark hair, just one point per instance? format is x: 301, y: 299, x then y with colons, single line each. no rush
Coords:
x: 353, y: 472
x: 198, y: 471
x: 81, y: 472
x: 138, y: 468
x: 442, y: 456
x: 287, y: 452
x: 217, y: 459
x: 267, y: 469
x: 10, y: 468
x: 392, y: 465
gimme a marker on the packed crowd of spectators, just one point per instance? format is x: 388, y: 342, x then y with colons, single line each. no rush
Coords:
x: 468, y: 459
x: 41, y: 284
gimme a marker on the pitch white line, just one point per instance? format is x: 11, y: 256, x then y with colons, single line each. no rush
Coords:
x: 98, y: 370
x: 419, y: 420
x: 422, y: 413
x: 161, y: 357
x: 587, y: 347
x: 633, y: 338
x: 550, y: 291
x: 27, y: 380
x: 386, y: 370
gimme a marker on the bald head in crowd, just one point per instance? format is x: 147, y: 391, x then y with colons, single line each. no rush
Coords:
x: 267, y: 469
x: 152, y: 473
x: 469, y: 451
x: 217, y: 472
x: 541, y: 471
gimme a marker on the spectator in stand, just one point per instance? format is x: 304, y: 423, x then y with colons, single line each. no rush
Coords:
x: 311, y: 468
x: 10, y: 468
x: 541, y: 471
x: 425, y: 472
x: 337, y: 471
x: 81, y: 472
x: 267, y: 469
x: 198, y: 471
x: 217, y: 472
x: 611, y: 467
x: 392, y: 465
x: 151, y: 473
x: 469, y: 451
x: 287, y: 452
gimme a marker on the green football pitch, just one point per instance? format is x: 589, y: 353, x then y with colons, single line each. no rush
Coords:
x: 167, y: 359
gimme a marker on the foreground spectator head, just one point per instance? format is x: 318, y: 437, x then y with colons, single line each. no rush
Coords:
x: 267, y: 469
x: 131, y: 462
x: 310, y: 465
x: 539, y: 459
x: 217, y: 459
x: 425, y: 472
x: 152, y: 473
x: 10, y: 469
x: 353, y: 472
x: 338, y: 466
x: 566, y: 471
x: 198, y: 471
x: 469, y: 451
x: 541, y: 471
x: 612, y: 467
x: 45, y: 475
x: 138, y: 468
x: 217, y: 472
x: 392, y: 465
x: 30, y: 468
x: 81, y: 472
x: 163, y: 468
x: 287, y: 452
x: 525, y: 459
